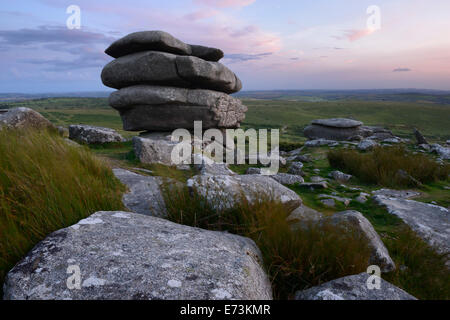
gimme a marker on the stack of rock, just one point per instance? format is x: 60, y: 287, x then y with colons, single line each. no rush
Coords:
x: 165, y: 84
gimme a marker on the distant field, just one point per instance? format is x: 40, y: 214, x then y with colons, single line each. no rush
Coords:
x: 432, y: 119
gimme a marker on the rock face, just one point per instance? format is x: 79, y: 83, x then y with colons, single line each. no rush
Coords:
x: 353, y: 288
x: 161, y: 68
x: 144, y: 194
x: 160, y: 41
x: 18, y: 118
x: 224, y: 191
x: 124, y: 255
x: 431, y: 222
x: 380, y: 255
x: 419, y: 137
x: 93, y: 135
x: 169, y: 108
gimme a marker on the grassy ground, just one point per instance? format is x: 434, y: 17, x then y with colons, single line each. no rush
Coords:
x: 46, y: 185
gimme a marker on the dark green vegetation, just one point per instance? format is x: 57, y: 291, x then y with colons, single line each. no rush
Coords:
x: 294, y: 260
x: 46, y: 185
x: 381, y: 166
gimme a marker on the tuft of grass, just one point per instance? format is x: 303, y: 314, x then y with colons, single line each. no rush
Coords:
x: 45, y: 185
x: 294, y: 259
x: 381, y: 166
x: 421, y: 271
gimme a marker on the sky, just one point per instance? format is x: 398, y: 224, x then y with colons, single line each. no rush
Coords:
x: 270, y: 45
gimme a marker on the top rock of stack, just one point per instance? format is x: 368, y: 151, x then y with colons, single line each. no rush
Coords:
x: 160, y: 41
x: 337, y: 123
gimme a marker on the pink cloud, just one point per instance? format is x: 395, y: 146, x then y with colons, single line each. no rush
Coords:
x: 353, y: 35
x: 201, y: 14
x: 225, y: 3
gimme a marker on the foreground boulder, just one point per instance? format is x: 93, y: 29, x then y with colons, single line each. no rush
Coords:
x: 169, y: 70
x: 225, y: 191
x: 144, y: 193
x: 93, y: 135
x: 431, y: 222
x: 124, y: 255
x: 19, y: 118
x: 380, y: 255
x: 353, y: 288
x: 145, y: 107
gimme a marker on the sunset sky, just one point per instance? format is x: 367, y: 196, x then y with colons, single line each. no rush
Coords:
x: 286, y: 44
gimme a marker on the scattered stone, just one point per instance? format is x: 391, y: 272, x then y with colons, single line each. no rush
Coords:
x: 431, y: 222
x: 345, y: 201
x: 443, y: 152
x: 224, y: 191
x: 353, y: 288
x: 296, y: 168
x: 392, y: 140
x: 362, y: 198
x: 419, y: 137
x: 320, y: 143
x: 380, y: 255
x: 303, y: 216
x: 183, y: 167
x: 314, y: 185
x: 19, y: 118
x: 144, y: 193
x: 126, y: 256
x: 93, y: 135
x: 317, y: 179
x: 63, y: 131
x: 367, y: 144
x: 154, y: 147
x: 402, y: 194
x: 156, y: 108
x: 253, y: 170
x: 340, y: 176
x: 287, y: 179
x: 328, y: 202
x: 425, y: 147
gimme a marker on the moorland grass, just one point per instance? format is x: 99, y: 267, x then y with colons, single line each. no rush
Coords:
x: 45, y: 185
x: 381, y: 166
x: 293, y: 259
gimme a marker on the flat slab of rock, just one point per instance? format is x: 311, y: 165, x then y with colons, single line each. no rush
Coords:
x: 320, y: 142
x: 144, y: 193
x: 19, y: 118
x: 224, y: 191
x: 380, y: 255
x: 93, y: 135
x: 287, y: 179
x: 390, y: 193
x: 337, y: 123
x: 166, y: 69
x: 156, y: 108
x: 353, y: 288
x: 160, y: 41
x: 124, y: 256
x: 431, y: 222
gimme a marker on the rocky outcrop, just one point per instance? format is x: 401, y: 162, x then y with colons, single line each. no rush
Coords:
x: 333, y: 129
x: 144, y: 193
x: 340, y: 176
x: 431, y: 222
x: 442, y: 152
x: 225, y: 191
x: 353, y: 288
x: 93, y: 135
x: 124, y: 255
x: 169, y: 108
x: 19, y: 118
x: 367, y: 144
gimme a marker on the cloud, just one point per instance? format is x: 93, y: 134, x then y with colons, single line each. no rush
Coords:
x: 401, y: 70
x: 201, y: 14
x: 239, y: 57
x: 51, y: 34
x: 248, y: 30
x: 225, y: 3
x: 353, y: 35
